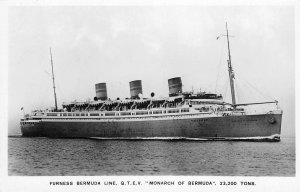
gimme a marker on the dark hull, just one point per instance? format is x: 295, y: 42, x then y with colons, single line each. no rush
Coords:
x: 246, y: 127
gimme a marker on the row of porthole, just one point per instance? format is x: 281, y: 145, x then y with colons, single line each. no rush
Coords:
x: 115, y: 114
x: 25, y: 123
x: 119, y: 118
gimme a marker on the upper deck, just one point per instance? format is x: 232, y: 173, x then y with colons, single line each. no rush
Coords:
x: 182, y: 111
x: 114, y: 114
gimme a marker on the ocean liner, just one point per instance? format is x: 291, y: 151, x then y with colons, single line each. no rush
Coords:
x: 182, y: 115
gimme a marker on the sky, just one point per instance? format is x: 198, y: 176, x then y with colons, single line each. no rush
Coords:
x: 118, y: 44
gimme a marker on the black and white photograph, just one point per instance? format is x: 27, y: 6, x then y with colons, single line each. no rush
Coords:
x: 160, y: 91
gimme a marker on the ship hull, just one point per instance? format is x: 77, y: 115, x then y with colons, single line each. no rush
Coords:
x: 244, y: 127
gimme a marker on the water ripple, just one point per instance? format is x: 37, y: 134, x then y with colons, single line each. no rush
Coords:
x: 44, y: 156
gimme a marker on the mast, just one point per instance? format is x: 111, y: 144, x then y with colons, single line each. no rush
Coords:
x: 230, y: 70
x: 55, y: 99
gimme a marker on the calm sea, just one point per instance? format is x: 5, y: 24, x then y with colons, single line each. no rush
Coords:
x: 74, y: 157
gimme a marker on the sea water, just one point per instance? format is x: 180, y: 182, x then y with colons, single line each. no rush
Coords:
x: 90, y: 157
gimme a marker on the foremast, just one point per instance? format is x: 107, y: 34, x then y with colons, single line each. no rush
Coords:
x: 55, y: 99
x: 231, y: 79
x: 230, y: 71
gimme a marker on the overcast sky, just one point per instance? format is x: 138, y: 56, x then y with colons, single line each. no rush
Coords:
x: 116, y: 44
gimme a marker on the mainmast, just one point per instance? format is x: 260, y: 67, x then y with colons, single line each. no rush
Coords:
x: 230, y: 70
x: 55, y: 99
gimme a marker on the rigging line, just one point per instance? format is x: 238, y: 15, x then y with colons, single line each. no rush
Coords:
x: 220, y: 61
x: 237, y: 92
x: 253, y: 87
x: 249, y: 91
x: 240, y: 92
x: 247, y: 83
x: 244, y: 93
